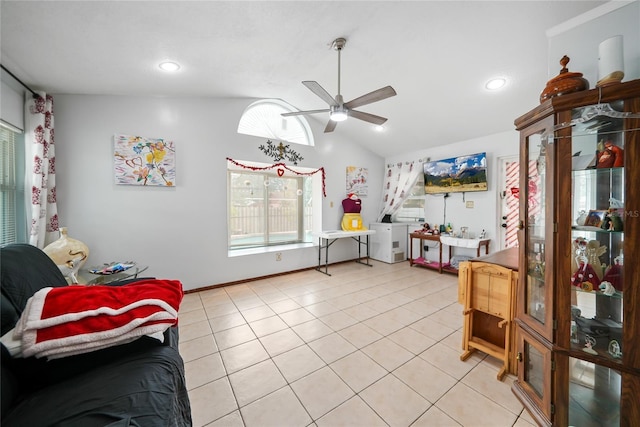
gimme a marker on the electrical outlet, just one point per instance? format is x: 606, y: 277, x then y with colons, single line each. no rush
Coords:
x: 278, y: 256
x: 470, y: 204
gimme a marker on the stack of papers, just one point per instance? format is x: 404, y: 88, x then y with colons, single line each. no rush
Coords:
x: 113, y: 268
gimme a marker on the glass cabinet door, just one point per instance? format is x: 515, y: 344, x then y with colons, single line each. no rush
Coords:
x: 535, y: 298
x: 534, y: 371
x: 597, y: 237
x: 596, y: 283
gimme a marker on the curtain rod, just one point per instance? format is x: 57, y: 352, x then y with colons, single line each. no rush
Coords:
x: 35, y: 95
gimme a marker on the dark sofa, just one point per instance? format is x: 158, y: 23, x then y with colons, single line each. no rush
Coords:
x: 141, y: 383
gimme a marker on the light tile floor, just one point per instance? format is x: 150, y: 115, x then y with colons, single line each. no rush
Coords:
x: 367, y: 346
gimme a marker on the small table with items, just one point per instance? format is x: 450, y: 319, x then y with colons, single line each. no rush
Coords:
x: 114, y: 271
x: 444, y: 240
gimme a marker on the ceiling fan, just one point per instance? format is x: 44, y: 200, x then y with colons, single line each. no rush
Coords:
x: 340, y: 110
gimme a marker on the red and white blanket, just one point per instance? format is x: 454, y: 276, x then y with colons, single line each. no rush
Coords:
x: 59, y: 322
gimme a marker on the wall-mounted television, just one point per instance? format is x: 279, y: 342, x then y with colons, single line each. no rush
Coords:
x: 456, y: 175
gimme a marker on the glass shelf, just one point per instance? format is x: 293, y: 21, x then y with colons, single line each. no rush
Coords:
x: 616, y: 294
x: 591, y: 229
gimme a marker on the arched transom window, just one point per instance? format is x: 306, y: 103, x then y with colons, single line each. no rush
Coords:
x: 263, y: 118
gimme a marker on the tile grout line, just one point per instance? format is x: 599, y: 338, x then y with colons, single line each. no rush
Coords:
x: 299, y: 299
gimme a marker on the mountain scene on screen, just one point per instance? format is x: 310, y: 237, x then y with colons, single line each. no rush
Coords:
x: 457, y: 174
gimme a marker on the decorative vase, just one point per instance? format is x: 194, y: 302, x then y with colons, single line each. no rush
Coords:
x: 564, y: 83
x: 68, y: 254
x: 610, y: 61
x: 582, y: 217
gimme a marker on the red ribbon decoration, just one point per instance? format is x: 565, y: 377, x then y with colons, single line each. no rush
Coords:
x: 280, y: 171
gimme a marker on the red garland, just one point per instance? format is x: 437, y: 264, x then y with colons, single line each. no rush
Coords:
x: 282, y: 165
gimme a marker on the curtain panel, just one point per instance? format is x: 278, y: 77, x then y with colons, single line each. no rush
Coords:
x: 41, y: 169
x: 398, y: 181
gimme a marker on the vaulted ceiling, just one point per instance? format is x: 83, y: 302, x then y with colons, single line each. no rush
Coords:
x: 437, y: 55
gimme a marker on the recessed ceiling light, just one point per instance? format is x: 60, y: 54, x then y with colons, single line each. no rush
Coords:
x: 495, y: 84
x: 379, y: 128
x: 169, y: 66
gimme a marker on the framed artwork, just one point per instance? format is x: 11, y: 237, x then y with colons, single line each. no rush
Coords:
x: 144, y: 161
x: 357, y: 180
x: 595, y: 218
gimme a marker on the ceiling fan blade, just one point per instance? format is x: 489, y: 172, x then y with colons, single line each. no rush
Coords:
x: 330, y: 126
x: 298, y: 113
x: 320, y: 91
x: 376, y: 95
x: 367, y: 117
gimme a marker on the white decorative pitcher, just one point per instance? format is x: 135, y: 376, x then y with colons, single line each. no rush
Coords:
x: 582, y: 218
x: 68, y: 254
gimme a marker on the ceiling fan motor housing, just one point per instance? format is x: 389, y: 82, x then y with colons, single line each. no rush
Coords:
x: 338, y: 113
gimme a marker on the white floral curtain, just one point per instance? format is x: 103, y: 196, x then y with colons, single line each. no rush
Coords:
x: 398, y: 181
x: 41, y: 169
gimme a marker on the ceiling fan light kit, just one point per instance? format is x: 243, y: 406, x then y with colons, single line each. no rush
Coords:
x: 338, y: 109
x: 338, y: 115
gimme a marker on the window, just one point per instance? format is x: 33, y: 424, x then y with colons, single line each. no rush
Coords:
x: 263, y: 118
x: 266, y: 209
x: 412, y: 210
x: 12, y: 211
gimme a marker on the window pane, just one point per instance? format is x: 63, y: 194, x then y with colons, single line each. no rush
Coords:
x: 283, y: 210
x: 412, y: 209
x: 9, y: 193
x: 8, y: 204
x: 307, y: 207
x: 265, y: 209
x: 246, y: 210
x: 264, y: 118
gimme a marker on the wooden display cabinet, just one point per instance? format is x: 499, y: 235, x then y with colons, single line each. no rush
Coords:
x: 578, y: 297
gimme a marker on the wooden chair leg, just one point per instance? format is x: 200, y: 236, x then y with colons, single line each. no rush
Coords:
x: 502, y: 372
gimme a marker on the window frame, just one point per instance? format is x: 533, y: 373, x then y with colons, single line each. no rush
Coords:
x: 309, y: 187
x: 12, y: 187
x: 263, y: 118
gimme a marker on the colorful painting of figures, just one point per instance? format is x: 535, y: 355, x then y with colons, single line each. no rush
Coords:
x: 144, y: 161
x: 357, y: 180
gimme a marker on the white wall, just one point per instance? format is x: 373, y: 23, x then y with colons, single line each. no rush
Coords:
x: 579, y: 38
x: 485, y: 213
x: 181, y: 232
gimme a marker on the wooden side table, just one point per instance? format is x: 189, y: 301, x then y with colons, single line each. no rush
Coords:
x: 444, y: 240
